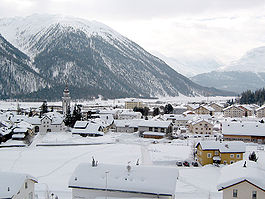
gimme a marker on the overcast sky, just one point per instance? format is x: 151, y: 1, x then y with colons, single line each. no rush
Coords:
x: 223, y: 29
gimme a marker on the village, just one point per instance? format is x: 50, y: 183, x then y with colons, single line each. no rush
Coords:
x: 132, y: 148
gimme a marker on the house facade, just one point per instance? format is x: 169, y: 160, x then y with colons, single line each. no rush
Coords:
x: 155, y: 126
x: 17, y: 186
x: 133, y: 103
x: 234, y: 111
x: 244, y: 180
x: 202, y: 110
x: 209, y: 152
x: 260, y: 112
x: 217, y: 107
x: 200, y: 127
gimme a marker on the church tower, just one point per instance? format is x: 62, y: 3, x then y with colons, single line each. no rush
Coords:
x: 66, y: 100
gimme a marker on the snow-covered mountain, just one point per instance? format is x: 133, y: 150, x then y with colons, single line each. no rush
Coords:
x: 246, y: 73
x: 92, y: 59
x: 190, y: 66
x: 16, y: 74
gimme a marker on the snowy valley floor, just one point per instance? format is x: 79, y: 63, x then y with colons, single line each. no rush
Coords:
x: 53, y: 165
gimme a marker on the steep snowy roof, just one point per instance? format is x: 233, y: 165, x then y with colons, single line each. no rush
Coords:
x: 12, y: 182
x: 236, y: 173
x: 223, y: 147
x: 137, y: 179
x: 243, y: 128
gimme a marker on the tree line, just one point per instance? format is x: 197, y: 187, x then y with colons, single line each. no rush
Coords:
x: 253, y: 97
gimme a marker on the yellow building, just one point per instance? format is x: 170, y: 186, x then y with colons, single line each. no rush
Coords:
x: 133, y: 103
x: 209, y: 152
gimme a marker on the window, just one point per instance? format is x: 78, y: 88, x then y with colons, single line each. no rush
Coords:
x: 162, y: 130
x: 231, y: 162
x: 254, y: 194
x: 216, y: 153
x: 150, y: 129
x: 209, y: 155
x: 234, y: 193
x: 156, y: 129
x: 238, y: 156
x: 26, y: 185
x: 30, y: 195
x: 231, y: 155
x: 225, y: 162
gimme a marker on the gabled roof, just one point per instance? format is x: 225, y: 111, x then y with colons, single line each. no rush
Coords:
x: 13, y: 181
x: 233, y: 106
x: 237, y: 173
x: 154, y: 180
x: 223, y: 147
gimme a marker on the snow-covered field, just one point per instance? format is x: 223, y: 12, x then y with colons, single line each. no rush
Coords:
x: 53, y: 165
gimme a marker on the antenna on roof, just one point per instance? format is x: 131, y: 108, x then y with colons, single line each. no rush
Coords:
x: 129, y: 167
x: 94, y: 163
x: 137, y: 163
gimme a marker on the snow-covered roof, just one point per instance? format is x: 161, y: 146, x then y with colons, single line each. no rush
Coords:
x: 128, y: 123
x: 12, y: 182
x: 176, y: 117
x: 223, y: 147
x: 153, y: 133
x: 199, y: 121
x: 18, y: 136
x: 206, y: 107
x: 233, y: 106
x: 236, y: 173
x: 261, y: 108
x: 135, y: 179
x: 80, y: 124
x: 243, y: 128
x: 130, y: 113
x: 155, y: 123
x: 91, y: 128
x: 20, y: 130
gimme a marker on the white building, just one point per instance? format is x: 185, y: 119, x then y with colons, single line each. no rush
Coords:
x: 129, y: 115
x: 243, y: 180
x: 52, y: 122
x: 17, y: 186
x: 120, y: 181
x: 86, y: 128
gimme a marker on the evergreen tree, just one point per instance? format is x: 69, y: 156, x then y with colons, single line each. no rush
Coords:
x: 253, y: 157
x: 44, y: 108
x: 156, y: 112
x: 168, y: 109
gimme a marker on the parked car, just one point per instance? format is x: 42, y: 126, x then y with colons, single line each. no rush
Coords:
x: 195, y: 164
x: 186, y: 163
x: 179, y: 163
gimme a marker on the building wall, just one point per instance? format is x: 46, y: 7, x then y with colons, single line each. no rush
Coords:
x: 94, y: 194
x: 46, y: 124
x: 234, y: 112
x: 226, y: 158
x: 202, y: 110
x: 255, y: 139
x: 216, y: 108
x: 244, y: 191
x: 131, y: 105
x: 202, y: 127
x: 261, y: 113
x: 26, y: 193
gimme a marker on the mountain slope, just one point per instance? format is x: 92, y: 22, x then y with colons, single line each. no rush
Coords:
x: 94, y: 59
x: 16, y: 75
x: 246, y: 73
